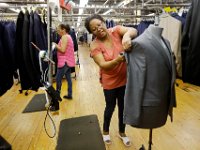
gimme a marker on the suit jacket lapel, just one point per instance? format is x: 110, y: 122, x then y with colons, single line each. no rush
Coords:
x: 169, y: 52
x: 163, y: 54
x: 172, y: 61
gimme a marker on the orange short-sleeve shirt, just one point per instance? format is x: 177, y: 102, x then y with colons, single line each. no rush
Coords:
x: 116, y: 77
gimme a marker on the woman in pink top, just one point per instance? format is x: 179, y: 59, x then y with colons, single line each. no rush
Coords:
x: 65, y: 57
x: 106, y: 50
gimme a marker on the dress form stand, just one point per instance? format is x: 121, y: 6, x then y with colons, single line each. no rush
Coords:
x: 150, y: 140
x: 158, y: 32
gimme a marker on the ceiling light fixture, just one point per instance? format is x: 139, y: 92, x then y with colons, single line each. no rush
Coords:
x: 80, y: 12
x: 121, y: 4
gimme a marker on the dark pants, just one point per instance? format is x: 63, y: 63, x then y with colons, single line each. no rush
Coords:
x: 65, y: 70
x: 111, y: 97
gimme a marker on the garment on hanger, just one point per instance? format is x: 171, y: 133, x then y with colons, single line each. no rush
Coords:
x: 150, y: 92
x: 7, y: 55
x: 191, y: 45
x: 181, y: 19
x: 65, y: 5
x: 143, y: 25
x: 110, y: 23
x: 24, y: 78
x: 73, y: 35
x: 29, y: 29
x: 172, y: 32
x: 26, y: 52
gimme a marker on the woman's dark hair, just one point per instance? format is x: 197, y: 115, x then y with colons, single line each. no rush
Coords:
x: 66, y: 27
x: 90, y: 18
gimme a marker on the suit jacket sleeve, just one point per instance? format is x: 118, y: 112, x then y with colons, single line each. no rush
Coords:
x: 172, y: 94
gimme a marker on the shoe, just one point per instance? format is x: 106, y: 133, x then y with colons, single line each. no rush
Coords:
x: 125, y: 140
x: 53, y: 108
x: 106, y: 139
x: 67, y: 97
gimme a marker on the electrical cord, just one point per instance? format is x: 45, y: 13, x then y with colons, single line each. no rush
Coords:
x: 54, y: 126
x: 43, y: 56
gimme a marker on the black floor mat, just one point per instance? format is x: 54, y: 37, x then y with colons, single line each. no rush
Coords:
x: 82, y: 133
x: 37, y: 103
x: 4, y: 145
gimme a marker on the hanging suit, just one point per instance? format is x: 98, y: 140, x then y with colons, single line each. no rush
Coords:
x: 3, y: 62
x: 39, y: 39
x: 19, y: 46
x: 7, y: 55
x: 2, y: 89
x: 191, y: 45
x: 35, y: 74
x: 26, y: 50
x: 143, y: 26
x: 150, y: 93
x: 73, y: 35
x: 172, y: 32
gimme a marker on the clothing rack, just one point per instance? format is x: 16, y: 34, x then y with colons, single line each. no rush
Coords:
x: 171, y: 5
x: 138, y: 6
x: 49, y: 40
x: 24, y: 4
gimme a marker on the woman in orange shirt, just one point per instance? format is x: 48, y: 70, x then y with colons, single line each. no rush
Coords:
x: 106, y: 50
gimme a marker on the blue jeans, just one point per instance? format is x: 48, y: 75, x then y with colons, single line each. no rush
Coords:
x: 111, y: 97
x: 65, y: 70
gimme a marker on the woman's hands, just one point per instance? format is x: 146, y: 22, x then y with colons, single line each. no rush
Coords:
x: 54, y: 45
x: 126, y: 43
x: 120, y: 58
x: 127, y: 34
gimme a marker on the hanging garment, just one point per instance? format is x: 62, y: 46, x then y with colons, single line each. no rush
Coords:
x: 191, y: 45
x: 24, y: 78
x: 2, y: 89
x: 143, y: 26
x: 181, y: 19
x: 65, y: 5
x: 7, y: 55
x: 172, y: 32
x: 34, y: 70
x: 112, y: 23
x: 39, y: 32
x: 26, y: 51
x: 29, y: 29
x: 150, y: 92
x: 107, y: 23
x: 73, y: 35
x: 40, y: 39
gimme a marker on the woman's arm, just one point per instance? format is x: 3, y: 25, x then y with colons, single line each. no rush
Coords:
x: 63, y: 46
x: 106, y: 65
x: 127, y: 34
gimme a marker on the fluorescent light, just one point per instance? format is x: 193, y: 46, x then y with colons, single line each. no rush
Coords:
x: 15, y: 10
x: 4, y: 5
x: 107, y: 12
x: 123, y: 3
x: 80, y: 12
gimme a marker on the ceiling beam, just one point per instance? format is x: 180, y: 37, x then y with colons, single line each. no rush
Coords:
x: 23, y: 2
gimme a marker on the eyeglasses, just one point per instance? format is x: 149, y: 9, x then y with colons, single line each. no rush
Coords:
x: 97, y: 27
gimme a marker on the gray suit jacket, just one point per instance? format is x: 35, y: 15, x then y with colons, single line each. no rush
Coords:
x: 150, y: 91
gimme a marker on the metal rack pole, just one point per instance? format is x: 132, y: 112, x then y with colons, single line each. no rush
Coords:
x: 172, y: 5
x: 49, y: 40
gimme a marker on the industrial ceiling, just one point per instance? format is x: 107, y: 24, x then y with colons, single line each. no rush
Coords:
x: 126, y: 10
